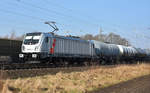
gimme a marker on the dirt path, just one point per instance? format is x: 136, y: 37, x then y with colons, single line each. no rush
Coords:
x: 138, y: 85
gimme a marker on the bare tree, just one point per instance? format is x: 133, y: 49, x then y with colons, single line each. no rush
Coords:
x: 87, y: 37
x: 6, y: 37
x: 117, y: 39
x: 13, y: 35
x: 20, y: 37
x: 110, y: 38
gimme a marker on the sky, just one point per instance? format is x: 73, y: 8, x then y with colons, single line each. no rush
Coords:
x: 128, y: 18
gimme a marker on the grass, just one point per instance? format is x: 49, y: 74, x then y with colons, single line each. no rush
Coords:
x: 75, y: 82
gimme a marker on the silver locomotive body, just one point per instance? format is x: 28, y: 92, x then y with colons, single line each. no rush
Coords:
x: 41, y: 46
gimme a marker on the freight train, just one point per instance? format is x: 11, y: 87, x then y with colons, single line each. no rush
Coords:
x: 64, y: 50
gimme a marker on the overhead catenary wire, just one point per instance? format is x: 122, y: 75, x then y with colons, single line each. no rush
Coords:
x: 34, y: 17
x: 52, y: 10
x: 21, y: 14
x: 56, y: 5
x: 10, y: 11
x: 24, y: 15
x: 38, y: 6
x: 41, y: 20
x: 71, y: 10
x: 58, y: 13
x: 42, y: 9
x: 47, y: 9
x: 21, y: 27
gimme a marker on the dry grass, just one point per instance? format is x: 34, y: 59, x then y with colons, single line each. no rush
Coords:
x: 76, y: 82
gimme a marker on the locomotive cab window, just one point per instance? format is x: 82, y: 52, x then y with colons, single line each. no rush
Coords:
x: 32, y: 39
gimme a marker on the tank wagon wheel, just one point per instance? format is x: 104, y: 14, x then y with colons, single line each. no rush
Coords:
x: 100, y: 61
x: 94, y: 62
x: 61, y: 63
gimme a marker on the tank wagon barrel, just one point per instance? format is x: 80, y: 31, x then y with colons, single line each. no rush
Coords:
x: 106, y: 49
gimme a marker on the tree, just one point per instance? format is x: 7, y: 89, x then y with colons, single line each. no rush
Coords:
x: 110, y: 38
x: 87, y: 37
x: 6, y: 37
x: 20, y: 37
x: 117, y: 39
x: 13, y: 35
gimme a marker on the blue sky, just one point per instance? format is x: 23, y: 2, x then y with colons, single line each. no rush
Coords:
x: 128, y: 18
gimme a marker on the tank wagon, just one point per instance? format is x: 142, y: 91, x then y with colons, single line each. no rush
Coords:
x: 47, y: 47
x: 112, y: 53
x: 147, y: 54
x: 127, y: 53
x: 142, y: 54
x: 107, y: 53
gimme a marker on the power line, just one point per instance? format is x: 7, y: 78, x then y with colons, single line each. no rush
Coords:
x: 68, y: 9
x: 58, y: 13
x: 45, y: 9
x: 141, y: 34
x: 25, y: 8
x: 25, y: 15
x: 20, y: 14
x: 56, y: 5
x: 42, y: 8
x: 15, y: 13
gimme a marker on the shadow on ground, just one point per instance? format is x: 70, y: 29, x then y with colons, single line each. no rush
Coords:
x: 137, y: 85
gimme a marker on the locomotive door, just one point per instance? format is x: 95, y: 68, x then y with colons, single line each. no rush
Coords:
x: 46, y: 44
x: 50, y: 44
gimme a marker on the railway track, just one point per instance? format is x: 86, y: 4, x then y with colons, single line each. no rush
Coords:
x: 36, y: 71
x: 14, y: 66
x: 14, y: 70
x: 11, y: 66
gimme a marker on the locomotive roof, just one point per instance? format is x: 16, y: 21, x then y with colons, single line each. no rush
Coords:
x: 69, y: 37
x: 34, y: 33
x: 58, y: 36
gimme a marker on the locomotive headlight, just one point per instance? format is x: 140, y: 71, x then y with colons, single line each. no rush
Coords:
x: 21, y: 55
x: 34, y: 55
